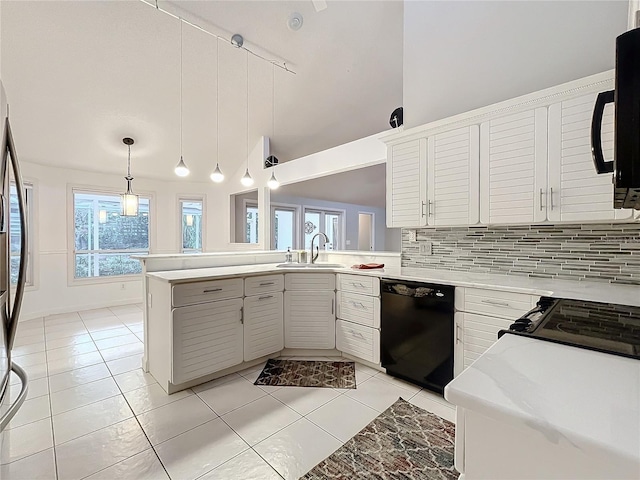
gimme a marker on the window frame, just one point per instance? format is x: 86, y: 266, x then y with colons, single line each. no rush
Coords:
x: 297, y: 223
x: 191, y: 198
x: 247, y: 203
x: 30, y: 200
x: 321, y: 228
x: 71, y: 266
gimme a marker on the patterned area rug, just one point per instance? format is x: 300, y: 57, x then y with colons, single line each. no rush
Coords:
x: 404, y: 442
x: 308, y: 373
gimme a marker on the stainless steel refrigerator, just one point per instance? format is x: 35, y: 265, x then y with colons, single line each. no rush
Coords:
x: 10, y: 296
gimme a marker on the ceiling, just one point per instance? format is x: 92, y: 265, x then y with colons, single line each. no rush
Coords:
x: 80, y: 76
x: 371, y: 191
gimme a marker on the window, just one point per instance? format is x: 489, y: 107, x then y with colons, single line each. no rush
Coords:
x: 323, y: 221
x: 103, y: 239
x: 285, y: 223
x: 191, y: 219
x: 251, y: 230
x: 16, y: 233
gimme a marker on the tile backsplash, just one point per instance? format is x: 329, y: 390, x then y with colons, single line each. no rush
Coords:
x: 595, y: 252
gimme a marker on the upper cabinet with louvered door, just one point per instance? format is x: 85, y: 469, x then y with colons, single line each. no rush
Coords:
x: 453, y: 180
x: 407, y: 184
x: 513, y: 168
x: 576, y: 191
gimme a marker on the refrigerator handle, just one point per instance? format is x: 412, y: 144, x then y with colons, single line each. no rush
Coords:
x: 3, y: 228
x: 14, y: 311
x: 602, y: 166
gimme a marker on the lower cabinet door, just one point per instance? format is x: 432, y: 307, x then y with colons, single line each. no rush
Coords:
x: 206, y: 338
x: 309, y: 319
x: 358, y: 340
x: 479, y: 332
x: 263, y: 325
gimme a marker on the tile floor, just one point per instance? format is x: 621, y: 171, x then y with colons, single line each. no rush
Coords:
x: 93, y: 413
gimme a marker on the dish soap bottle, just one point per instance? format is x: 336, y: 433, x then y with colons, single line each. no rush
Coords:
x: 288, y: 257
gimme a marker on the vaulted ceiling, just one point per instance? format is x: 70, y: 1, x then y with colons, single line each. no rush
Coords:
x: 82, y: 75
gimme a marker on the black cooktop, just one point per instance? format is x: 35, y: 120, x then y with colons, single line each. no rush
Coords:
x: 604, y: 327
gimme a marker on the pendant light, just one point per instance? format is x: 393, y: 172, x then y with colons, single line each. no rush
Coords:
x: 246, y: 180
x: 181, y: 169
x: 273, y: 182
x: 217, y: 176
x: 128, y: 200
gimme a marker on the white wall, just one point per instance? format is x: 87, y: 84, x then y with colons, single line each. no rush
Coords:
x: 53, y: 291
x: 459, y: 56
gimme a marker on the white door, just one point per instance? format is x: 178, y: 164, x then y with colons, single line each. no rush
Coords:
x: 309, y: 319
x: 576, y: 191
x: 407, y: 184
x: 513, y: 168
x: 365, y: 231
x: 206, y: 338
x: 454, y: 177
x: 263, y: 325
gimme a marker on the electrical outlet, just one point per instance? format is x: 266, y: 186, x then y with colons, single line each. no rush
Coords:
x: 413, y: 236
x: 425, y: 248
x: 123, y: 286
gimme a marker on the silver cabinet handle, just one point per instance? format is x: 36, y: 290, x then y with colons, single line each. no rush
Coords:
x: 358, y: 285
x: 551, y: 198
x: 458, y: 330
x: 495, y: 302
x: 541, y: 196
x: 430, y: 208
x: 211, y: 290
x: 264, y: 284
x: 422, y: 208
x: 332, y: 306
x: 357, y: 334
x: 264, y: 297
x: 242, y: 315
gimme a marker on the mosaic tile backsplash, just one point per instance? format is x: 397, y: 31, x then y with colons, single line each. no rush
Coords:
x: 602, y: 252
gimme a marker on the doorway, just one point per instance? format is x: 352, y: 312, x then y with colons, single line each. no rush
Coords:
x: 365, y: 231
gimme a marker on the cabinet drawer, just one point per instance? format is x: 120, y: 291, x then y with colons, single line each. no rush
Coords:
x: 365, y: 284
x: 201, y: 292
x: 263, y: 325
x: 358, y: 308
x: 358, y: 340
x: 310, y: 281
x: 206, y: 338
x: 497, y: 303
x: 263, y: 284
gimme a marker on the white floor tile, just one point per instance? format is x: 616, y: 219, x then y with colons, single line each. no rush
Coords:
x: 246, y: 466
x: 198, y: 451
x: 125, y: 364
x: 116, y: 341
x: 75, y: 397
x: 28, y: 340
x: 106, y: 323
x: 122, y: 310
x: 62, y: 318
x: 40, y: 466
x: 305, y: 399
x: 132, y: 318
x: 95, y: 314
x: 31, y: 411
x: 175, y: 418
x: 379, y: 394
x: 134, y: 379
x: 37, y: 388
x: 123, y: 351
x: 296, y: 449
x: 260, y: 419
x: 68, y: 341
x: 150, y: 397
x: 90, y: 418
x: 77, y: 377
x: 143, y: 466
x: 252, y: 373
x: 91, y: 453
x: 24, y: 331
x: 137, y: 329
x: 26, y: 349
x: 435, y: 404
x: 343, y: 417
x: 398, y: 382
x: 71, y: 351
x: 20, y: 442
x: 65, y: 331
x: 231, y: 395
x: 110, y: 333
x: 65, y: 364
x: 33, y: 372
x: 218, y: 381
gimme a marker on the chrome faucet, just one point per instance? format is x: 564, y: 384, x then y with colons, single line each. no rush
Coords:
x: 315, y: 257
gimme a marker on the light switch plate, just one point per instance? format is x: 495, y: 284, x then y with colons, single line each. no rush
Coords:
x: 425, y: 248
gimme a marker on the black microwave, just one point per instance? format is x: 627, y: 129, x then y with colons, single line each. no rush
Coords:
x: 626, y: 98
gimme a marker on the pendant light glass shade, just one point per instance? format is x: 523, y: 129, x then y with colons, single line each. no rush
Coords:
x: 246, y: 180
x: 189, y: 220
x: 273, y: 182
x: 217, y: 175
x: 102, y: 216
x: 181, y: 169
x: 128, y: 200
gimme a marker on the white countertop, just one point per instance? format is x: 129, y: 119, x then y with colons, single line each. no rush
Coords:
x: 579, y: 290
x: 589, y: 398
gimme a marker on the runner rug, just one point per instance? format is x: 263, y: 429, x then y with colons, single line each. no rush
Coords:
x: 308, y: 373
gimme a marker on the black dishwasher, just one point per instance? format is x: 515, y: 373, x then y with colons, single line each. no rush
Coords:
x: 417, y: 332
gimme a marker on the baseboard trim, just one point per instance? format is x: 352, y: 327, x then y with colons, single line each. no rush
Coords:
x: 77, y: 308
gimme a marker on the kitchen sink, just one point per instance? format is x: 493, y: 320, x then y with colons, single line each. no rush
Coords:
x: 295, y: 266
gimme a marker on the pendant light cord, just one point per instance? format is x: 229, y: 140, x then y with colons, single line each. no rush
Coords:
x: 273, y: 106
x: 129, y: 163
x: 217, y: 102
x: 247, y: 111
x: 181, y: 89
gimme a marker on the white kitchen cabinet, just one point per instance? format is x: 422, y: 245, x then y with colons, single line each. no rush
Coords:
x: 576, y: 192
x: 206, y: 338
x: 207, y: 291
x: 513, y: 168
x: 310, y: 281
x: 309, y: 319
x: 358, y: 308
x: 453, y: 168
x: 263, y: 325
x: 407, y: 184
x: 358, y: 340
